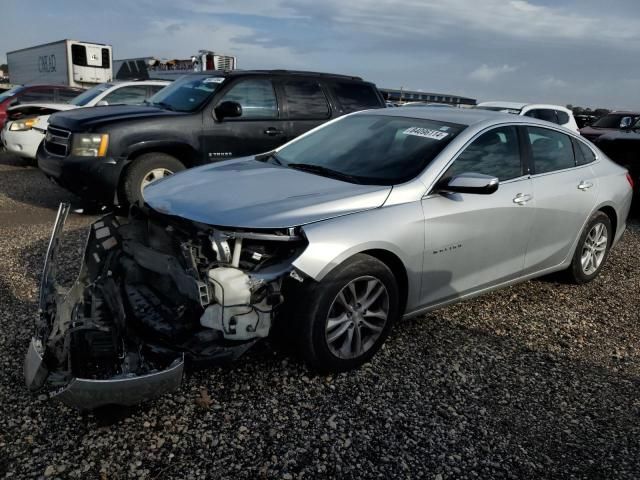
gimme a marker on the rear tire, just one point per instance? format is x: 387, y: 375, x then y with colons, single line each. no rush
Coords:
x: 144, y: 170
x: 340, y: 322
x: 592, y: 250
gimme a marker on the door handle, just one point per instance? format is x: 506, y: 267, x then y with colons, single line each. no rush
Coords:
x: 522, y: 198
x: 273, y: 131
x: 584, y: 186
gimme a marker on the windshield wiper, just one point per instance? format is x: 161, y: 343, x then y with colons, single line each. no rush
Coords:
x: 324, y: 171
x: 261, y: 157
x: 165, y: 105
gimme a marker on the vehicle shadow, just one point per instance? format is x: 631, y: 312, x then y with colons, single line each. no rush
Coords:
x: 28, y: 185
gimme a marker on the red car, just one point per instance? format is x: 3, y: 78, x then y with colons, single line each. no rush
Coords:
x: 35, y: 94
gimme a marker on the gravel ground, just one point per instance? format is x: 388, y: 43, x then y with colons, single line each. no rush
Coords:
x: 540, y: 380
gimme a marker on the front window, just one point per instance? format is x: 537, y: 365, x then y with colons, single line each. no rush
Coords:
x: 10, y: 93
x: 188, y: 93
x: 85, y: 97
x: 495, y: 153
x: 371, y: 149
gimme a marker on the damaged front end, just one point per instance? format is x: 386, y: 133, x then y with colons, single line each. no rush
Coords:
x: 154, y: 292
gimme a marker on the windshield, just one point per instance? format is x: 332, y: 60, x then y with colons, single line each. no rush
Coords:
x: 10, y: 93
x: 515, y: 111
x: 187, y: 94
x: 370, y: 149
x: 612, y: 120
x: 85, y: 97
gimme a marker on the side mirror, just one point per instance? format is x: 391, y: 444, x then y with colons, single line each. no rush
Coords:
x: 472, y: 183
x: 102, y: 103
x: 626, y: 123
x: 228, y: 110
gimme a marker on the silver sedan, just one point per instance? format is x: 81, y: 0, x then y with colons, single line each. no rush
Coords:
x: 326, y: 241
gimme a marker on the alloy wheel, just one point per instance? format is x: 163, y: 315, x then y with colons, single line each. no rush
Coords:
x: 594, y: 248
x: 153, y: 175
x: 357, y: 317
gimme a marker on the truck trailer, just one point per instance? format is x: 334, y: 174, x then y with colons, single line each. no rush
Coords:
x: 66, y: 62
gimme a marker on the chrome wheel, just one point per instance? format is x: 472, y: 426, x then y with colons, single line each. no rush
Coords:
x: 357, y: 317
x: 153, y: 175
x: 594, y: 248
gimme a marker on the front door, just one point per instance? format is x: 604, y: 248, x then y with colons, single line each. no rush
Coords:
x: 565, y: 192
x: 260, y: 128
x: 477, y: 241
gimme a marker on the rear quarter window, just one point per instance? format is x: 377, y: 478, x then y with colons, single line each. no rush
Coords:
x: 584, y: 155
x: 356, y: 96
x: 563, y: 117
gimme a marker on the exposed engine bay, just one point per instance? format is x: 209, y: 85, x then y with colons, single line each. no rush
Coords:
x: 154, y: 291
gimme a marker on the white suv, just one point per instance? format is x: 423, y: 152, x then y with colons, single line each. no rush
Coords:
x: 550, y: 113
x: 23, y: 135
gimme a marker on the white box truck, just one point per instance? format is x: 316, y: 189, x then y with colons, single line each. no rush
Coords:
x: 67, y: 62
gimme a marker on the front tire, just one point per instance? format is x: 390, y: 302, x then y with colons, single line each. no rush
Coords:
x: 342, y: 321
x: 144, y: 170
x: 592, y: 250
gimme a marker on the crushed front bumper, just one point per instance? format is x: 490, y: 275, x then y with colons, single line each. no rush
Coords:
x: 85, y: 393
x: 88, y: 394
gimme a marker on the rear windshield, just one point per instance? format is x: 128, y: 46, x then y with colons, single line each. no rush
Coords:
x: 515, y: 111
x: 85, y: 97
x: 612, y: 120
x: 10, y: 93
x: 371, y: 149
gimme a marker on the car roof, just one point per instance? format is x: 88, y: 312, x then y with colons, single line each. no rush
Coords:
x: 462, y: 116
x: 50, y: 85
x: 237, y: 73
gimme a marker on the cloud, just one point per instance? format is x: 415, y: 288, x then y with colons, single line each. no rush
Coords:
x: 485, y: 73
x: 553, y: 82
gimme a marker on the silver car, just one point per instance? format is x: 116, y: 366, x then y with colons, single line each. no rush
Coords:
x: 326, y: 241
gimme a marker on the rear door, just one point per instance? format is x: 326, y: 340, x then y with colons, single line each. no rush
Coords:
x: 565, y: 192
x: 262, y: 126
x: 477, y: 241
x: 305, y: 105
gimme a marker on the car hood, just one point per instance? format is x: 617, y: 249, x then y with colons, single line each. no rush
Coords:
x: 246, y: 193
x: 90, y: 118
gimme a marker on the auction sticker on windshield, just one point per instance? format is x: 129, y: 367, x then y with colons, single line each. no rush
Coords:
x: 213, y: 80
x: 426, y: 133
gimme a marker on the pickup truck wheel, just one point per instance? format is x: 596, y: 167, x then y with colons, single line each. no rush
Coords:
x: 343, y: 320
x: 146, y: 169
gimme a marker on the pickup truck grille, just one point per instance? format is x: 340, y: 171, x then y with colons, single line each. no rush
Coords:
x: 57, y: 142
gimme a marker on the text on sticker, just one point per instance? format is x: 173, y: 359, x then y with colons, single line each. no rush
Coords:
x: 425, y: 132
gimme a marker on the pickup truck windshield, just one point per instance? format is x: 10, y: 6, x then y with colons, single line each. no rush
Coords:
x: 187, y: 94
x: 85, y: 97
x: 370, y: 149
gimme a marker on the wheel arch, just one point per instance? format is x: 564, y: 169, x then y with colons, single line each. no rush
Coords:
x: 610, y: 212
x: 397, y: 267
x: 183, y: 152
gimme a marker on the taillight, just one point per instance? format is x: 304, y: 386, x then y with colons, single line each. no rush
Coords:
x: 630, y: 178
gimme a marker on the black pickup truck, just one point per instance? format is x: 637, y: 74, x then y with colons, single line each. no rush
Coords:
x: 107, y: 155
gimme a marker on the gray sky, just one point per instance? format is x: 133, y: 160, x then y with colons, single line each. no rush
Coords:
x: 564, y: 51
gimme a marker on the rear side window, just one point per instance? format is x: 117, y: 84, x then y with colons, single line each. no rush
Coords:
x: 550, y: 150
x: 127, y: 95
x: 543, y: 114
x: 563, y: 117
x: 257, y: 98
x: 36, y: 96
x: 584, y: 154
x: 356, y: 96
x: 495, y: 153
x: 305, y: 100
